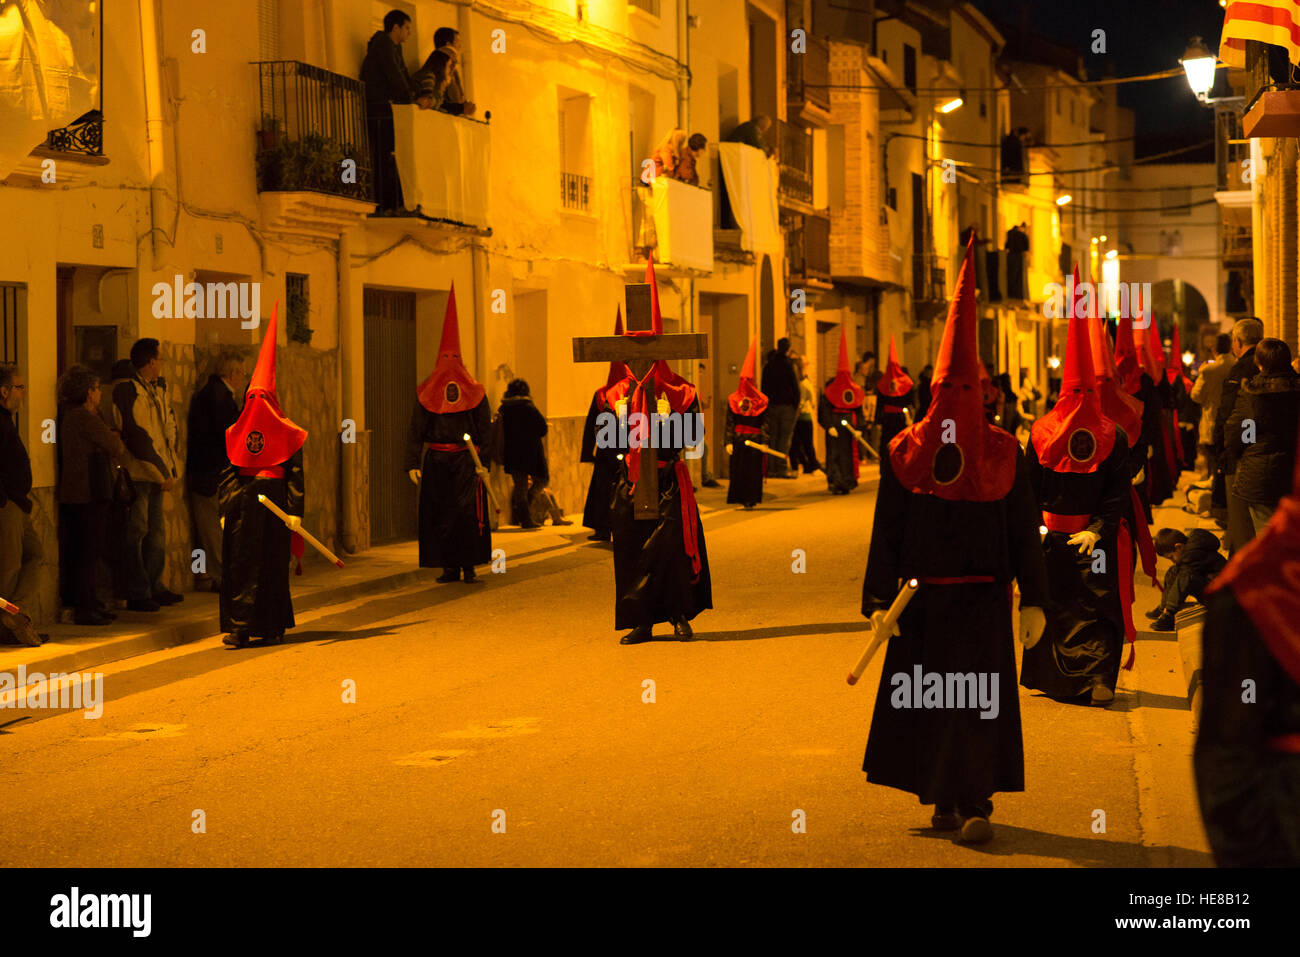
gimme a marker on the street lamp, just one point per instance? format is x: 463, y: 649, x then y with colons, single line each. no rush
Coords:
x: 1199, y: 65
x: 1062, y: 200
x: 953, y: 104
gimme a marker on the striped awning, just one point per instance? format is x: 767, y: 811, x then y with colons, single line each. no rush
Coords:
x: 1267, y: 21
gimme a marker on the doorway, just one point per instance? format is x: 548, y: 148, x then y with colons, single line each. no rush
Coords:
x: 389, y: 330
x: 724, y: 318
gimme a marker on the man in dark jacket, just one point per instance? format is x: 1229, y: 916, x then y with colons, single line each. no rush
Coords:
x: 782, y: 391
x: 212, y: 410
x: 523, y: 428
x: 751, y: 133
x: 1260, y: 433
x: 20, y: 547
x: 1246, y: 334
x: 1196, y: 561
x: 383, y: 71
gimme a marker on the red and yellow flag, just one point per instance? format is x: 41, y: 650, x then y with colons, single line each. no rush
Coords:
x: 1268, y: 21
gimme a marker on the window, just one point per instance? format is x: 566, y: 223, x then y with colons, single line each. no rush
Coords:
x: 909, y: 67
x: 13, y: 303
x: 297, y: 307
x: 575, y: 149
x: 268, y: 29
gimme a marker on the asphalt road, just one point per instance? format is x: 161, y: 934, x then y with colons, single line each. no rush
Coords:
x: 503, y: 724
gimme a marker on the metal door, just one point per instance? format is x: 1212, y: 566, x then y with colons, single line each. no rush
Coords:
x: 390, y: 396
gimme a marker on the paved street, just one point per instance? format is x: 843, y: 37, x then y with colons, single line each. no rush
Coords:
x: 515, y: 697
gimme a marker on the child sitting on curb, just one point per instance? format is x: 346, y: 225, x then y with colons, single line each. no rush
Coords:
x: 1196, y: 561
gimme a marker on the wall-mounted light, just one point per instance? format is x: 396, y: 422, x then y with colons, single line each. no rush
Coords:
x: 1062, y: 200
x: 953, y: 104
x: 1112, y: 253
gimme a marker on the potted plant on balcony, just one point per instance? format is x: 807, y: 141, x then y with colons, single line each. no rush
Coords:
x: 268, y: 135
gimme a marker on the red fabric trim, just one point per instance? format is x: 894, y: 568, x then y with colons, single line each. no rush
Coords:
x: 1287, y: 743
x: 747, y: 430
x: 1124, y: 542
x: 270, y: 472
x: 1066, y: 524
x: 1146, y: 547
x: 962, y: 580
x: 446, y: 447
x: 690, y: 515
x: 885, y: 406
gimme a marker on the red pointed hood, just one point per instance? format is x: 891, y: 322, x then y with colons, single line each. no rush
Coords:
x: 450, y: 387
x: 1118, y: 406
x: 1265, y: 578
x: 263, y: 435
x: 842, y: 392
x: 1128, y: 368
x: 895, y: 383
x: 1143, y: 337
x: 1174, y: 361
x: 953, y: 452
x: 747, y: 399
x: 1075, y: 436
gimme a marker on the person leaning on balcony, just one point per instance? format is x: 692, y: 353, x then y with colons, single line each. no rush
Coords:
x: 88, y: 452
x: 383, y: 71
x: 675, y: 156
x: 440, y: 78
x: 21, y: 553
x: 751, y: 133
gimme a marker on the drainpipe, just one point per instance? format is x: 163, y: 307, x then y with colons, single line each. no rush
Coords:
x: 153, y: 124
x: 479, y: 270
x: 682, y: 82
x: 348, y: 451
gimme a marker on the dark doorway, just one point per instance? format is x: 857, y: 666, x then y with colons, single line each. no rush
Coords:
x: 766, y: 307
x: 390, y: 393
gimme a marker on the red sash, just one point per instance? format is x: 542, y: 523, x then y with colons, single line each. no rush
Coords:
x: 1145, y: 545
x: 272, y: 472
x: 1066, y: 524
x: 690, y: 515
x: 747, y: 430
x: 1286, y: 743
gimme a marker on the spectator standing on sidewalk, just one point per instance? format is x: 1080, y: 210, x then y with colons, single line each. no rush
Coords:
x: 1267, y: 412
x: 89, y: 454
x: 1246, y: 334
x: 212, y: 410
x: 523, y: 427
x: 782, y: 391
x: 802, y: 452
x: 20, y: 547
x: 1207, y: 393
x: 143, y: 418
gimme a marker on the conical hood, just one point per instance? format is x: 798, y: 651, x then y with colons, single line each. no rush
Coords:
x: 1118, y: 406
x: 747, y: 399
x: 263, y: 436
x: 450, y: 387
x: 1128, y: 368
x: 895, y: 383
x: 1144, y: 335
x: 953, y: 452
x: 1075, y: 436
x: 1174, y: 361
x: 842, y: 392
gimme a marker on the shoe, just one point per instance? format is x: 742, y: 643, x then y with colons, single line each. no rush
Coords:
x: 274, y: 639
x: 561, y: 521
x: 598, y: 537
x: 530, y: 525
x: 142, y: 604
x: 1163, y: 623
x: 1100, y: 693
x: 637, y: 635
x: 236, y: 639
x: 682, y: 629
x: 87, y: 618
x: 945, y: 819
x: 711, y: 483
x: 164, y: 597
x: 449, y: 575
x: 22, y: 629
x: 976, y: 830
x: 1156, y: 612
x: 470, y: 577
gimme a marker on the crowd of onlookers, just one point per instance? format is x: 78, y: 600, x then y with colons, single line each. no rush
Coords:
x: 117, y: 456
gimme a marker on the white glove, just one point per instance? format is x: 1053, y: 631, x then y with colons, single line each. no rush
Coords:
x: 833, y: 432
x: 878, y: 621
x: 1086, y: 541
x: 482, y: 473
x: 728, y: 447
x: 414, y: 475
x: 1032, y: 623
x: 294, y: 522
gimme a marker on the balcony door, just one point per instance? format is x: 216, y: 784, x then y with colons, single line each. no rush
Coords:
x: 390, y: 357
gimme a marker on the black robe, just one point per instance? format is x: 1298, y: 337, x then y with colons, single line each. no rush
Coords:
x: 951, y: 755
x: 455, y: 527
x: 604, y: 472
x: 748, y: 466
x: 891, y: 423
x: 840, y: 473
x: 652, y: 572
x: 1085, y: 622
x: 1162, y: 476
x: 1248, y: 792
x: 255, y: 550
x: 1140, y: 451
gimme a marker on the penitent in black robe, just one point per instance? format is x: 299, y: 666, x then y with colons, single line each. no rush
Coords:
x: 890, y: 415
x: 1140, y: 452
x: 654, y: 579
x: 748, y: 466
x: 842, y: 449
x: 455, y: 527
x: 951, y: 755
x: 1085, y: 622
x: 604, y: 472
x: 1248, y: 791
x: 255, y: 549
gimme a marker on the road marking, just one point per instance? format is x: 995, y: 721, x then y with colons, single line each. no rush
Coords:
x: 428, y: 759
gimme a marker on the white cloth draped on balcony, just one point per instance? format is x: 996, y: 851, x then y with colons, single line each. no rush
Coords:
x: 751, y: 179
x: 683, y: 218
x: 443, y: 162
x: 49, y: 72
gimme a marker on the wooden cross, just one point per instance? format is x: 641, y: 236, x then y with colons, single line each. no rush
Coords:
x: 640, y: 353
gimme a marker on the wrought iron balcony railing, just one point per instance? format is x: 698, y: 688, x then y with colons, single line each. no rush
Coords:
x: 83, y: 135
x: 929, y: 276
x: 312, y: 121
x: 808, y: 246
x: 794, y: 154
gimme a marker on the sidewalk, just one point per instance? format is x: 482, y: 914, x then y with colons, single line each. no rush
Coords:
x: 381, y: 569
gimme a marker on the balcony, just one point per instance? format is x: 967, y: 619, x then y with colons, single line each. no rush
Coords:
x: 1229, y: 155
x: 808, y: 77
x: 313, y: 157
x: 808, y: 247
x: 748, y: 220
x: 929, y: 278
x: 795, y: 156
x: 674, y: 219
x: 1236, y: 245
